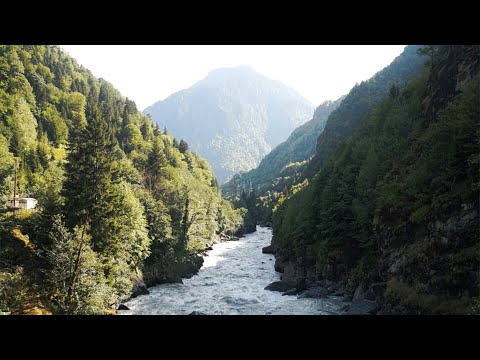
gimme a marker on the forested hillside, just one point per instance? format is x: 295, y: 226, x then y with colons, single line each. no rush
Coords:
x: 120, y: 202
x: 233, y: 117
x: 295, y: 161
x: 279, y: 168
x: 360, y: 102
x: 391, y: 213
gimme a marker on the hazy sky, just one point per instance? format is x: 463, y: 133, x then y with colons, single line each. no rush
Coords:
x: 148, y: 73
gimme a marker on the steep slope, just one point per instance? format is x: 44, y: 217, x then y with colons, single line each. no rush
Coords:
x: 392, y: 216
x: 119, y: 202
x: 233, y: 117
x: 275, y: 170
x: 360, y: 102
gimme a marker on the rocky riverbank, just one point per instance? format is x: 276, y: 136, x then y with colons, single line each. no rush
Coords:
x: 358, y: 298
x: 415, y: 277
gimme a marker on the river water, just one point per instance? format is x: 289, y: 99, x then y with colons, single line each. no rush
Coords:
x: 231, y: 282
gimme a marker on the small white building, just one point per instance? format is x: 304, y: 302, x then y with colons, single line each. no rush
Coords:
x: 23, y: 203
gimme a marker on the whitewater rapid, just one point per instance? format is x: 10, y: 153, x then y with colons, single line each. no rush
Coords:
x: 231, y: 282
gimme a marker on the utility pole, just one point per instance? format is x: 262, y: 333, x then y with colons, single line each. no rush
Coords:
x: 15, y: 185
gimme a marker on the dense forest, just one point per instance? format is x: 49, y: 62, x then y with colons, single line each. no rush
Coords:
x: 233, y: 117
x: 389, y: 204
x: 120, y: 202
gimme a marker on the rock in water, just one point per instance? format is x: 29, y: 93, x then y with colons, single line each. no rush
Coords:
x: 139, y: 289
x: 316, y: 293
x: 267, y: 249
x: 123, y: 307
x: 293, y: 291
x: 281, y: 286
x: 362, y: 307
x: 197, y: 313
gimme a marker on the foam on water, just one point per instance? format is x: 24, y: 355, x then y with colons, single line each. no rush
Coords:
x: 231, y: 281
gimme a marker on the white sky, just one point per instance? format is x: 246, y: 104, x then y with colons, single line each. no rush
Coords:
x: 148, y: 73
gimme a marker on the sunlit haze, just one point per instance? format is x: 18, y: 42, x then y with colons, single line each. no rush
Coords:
x: 148, y: 73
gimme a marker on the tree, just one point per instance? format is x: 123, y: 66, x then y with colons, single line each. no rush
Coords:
x: 75, y: 276
x: 25, y: 126
x: 394, y: 90
x: 183, y: 146
x: 155, y: 162
x: 50, y: 203
x: 132, y: 138
x: 90, y: 180
x: 428, y: 50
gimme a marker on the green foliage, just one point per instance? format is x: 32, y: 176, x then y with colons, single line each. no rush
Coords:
x: 126, y: 190
x: 13, y: 288
x: 7, y: 162
x: 361, y: 101
x: 404, y: 297
x: 338, y: 206
x: 183, y: 146
x: 89, y: 189
x: 24, y: 128
x: 75, y: 277
x: 391, y: 186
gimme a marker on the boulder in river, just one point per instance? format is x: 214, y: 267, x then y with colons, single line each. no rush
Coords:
x: 315, y: 292
x: 139, y: 288
x: 267, y: 249
x: 208, y: 248
x: 292, y: 291
x: 281, y: 286
x: 123, y: 307
x: 197, y: 313
x: 362, y: 307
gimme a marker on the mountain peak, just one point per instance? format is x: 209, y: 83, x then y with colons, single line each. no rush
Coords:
x: 232, y: 106
x: 242, y: 73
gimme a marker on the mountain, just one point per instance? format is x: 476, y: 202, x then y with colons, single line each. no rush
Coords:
x: 120, y: 203
x: 233, y: 117
x: 391, y: 217
x: 276, y: 169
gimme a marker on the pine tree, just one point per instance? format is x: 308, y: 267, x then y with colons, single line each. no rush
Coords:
x: 155, y: 162
x: 183, y: 146
x: 90, y: 180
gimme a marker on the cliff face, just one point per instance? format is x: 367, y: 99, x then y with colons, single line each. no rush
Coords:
x: 423, y: 238
x: 451, y: 76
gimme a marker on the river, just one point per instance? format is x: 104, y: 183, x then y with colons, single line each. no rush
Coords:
x: 230, y: 282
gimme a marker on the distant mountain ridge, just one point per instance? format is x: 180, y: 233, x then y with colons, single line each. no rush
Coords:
x: 233, y: 117
x: 276, y: 169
